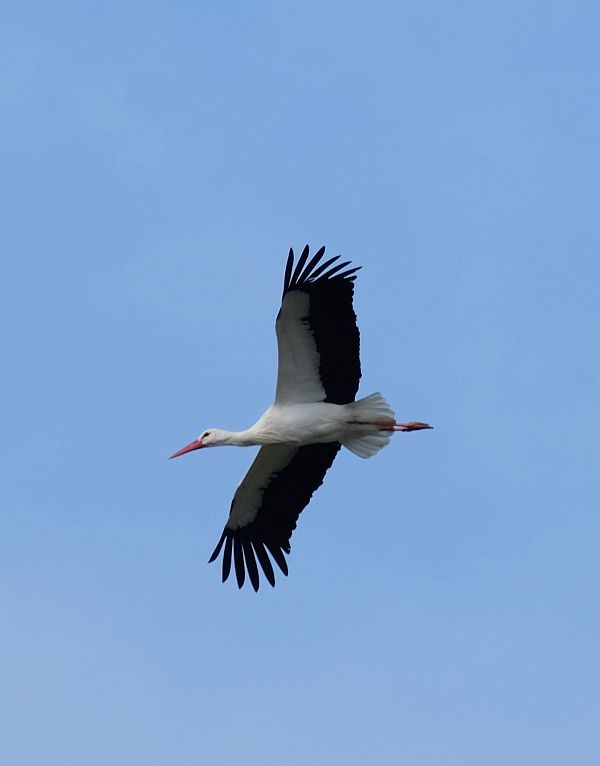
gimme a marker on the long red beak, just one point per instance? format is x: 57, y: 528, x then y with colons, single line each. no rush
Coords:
x: 197, y: 444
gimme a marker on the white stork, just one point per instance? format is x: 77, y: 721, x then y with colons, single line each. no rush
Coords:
x: 313, y: 415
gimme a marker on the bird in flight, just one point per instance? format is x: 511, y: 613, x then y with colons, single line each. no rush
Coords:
x: 314, y: 414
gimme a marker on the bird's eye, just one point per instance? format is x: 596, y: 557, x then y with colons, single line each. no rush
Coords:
x: 204, y: 435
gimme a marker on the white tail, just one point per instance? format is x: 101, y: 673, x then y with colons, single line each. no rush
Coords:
x: 371, y: 409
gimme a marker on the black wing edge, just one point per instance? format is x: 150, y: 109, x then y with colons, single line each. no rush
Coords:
x: 268, y: 536
x: 311, y: 272
x: 246, y: 552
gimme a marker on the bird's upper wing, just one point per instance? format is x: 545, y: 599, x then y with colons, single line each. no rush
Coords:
x: 317, y: 336
x: 266, y: 506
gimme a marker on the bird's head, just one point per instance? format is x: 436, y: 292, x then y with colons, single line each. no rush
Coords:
x: 212, y: 437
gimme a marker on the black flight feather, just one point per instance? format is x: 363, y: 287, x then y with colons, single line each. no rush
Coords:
x: 238, y: 557
x: 250, y: 562
x: 300, y: 265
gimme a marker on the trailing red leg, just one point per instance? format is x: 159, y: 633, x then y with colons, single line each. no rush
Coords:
x: 414, y: 425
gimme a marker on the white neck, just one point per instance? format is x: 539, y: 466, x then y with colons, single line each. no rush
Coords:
x: 238, y: 438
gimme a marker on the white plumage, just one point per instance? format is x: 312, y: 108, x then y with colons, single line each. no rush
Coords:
x: 313, y: 415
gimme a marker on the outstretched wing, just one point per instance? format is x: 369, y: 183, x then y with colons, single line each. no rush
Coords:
x: 317, y: 337
x: 266, y: 507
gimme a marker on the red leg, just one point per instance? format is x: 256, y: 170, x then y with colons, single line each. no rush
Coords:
x: 414, y: 425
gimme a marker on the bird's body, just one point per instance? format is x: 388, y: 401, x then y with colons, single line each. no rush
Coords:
x: 313, y: 415
x: 302, y: 424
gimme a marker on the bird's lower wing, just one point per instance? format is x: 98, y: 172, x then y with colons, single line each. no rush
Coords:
x: 266, y: 507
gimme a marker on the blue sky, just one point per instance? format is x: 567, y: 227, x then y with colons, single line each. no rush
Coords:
x: 158, y: 161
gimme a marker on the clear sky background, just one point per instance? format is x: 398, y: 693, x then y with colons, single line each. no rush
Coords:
x: 158, y: 160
